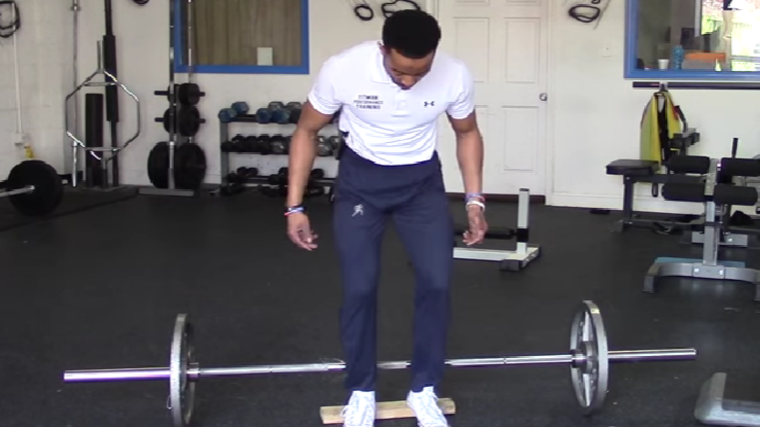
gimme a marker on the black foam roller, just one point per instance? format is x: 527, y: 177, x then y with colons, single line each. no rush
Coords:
x: 684, y: 192
x: 112, y: 92
x: 725, y: 194
x: 739, y: 167
x: 689, y: 164
x: 93, y: 133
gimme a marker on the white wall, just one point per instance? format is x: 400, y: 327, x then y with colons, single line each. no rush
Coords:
x: 143, y: 66
x: 593, y: 112
x: 45, y: 60
x: 595, y: 115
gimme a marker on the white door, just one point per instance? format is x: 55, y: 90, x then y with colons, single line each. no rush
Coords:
x: 505, y: 45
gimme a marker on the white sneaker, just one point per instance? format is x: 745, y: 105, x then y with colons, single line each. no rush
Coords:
x: 360, y: 410
x: 426, y: 409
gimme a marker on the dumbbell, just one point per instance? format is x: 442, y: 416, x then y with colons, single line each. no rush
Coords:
x: 279, y: 145
x: 240, y: 107
x: 263, y: 115
x: 281, y: 116
x: 245, y: 173
x: 275, y: 105
x: 238, y: 143
x: 280, y: 178
x: 265, y: 144
x: 334, y: 142
x: 317, y: 174
x: 227, y: 146
x: 227, y: 115
x: 324, y: 148
x: 314, y: 189
x: 295, y: 111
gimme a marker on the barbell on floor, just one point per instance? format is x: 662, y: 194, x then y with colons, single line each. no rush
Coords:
x: 589, y: 359
x: 34, y: 188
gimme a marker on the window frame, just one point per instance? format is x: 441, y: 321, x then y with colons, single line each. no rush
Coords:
x: 179, y: 51
x: 631, y: 49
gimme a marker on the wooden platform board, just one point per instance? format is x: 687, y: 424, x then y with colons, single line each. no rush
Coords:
x: 385, y: 411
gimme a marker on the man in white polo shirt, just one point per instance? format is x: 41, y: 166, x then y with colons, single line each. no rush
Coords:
x: 391, y: 94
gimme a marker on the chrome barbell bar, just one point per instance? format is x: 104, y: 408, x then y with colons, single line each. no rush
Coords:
x: 197, y: 372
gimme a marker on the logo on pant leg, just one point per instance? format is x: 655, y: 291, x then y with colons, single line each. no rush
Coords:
x: 358, y: 210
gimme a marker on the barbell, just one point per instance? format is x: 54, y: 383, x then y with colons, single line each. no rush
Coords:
x: 588, y: 358
x: 34, y: 188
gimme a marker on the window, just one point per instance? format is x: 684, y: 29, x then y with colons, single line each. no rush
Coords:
x: 703, y: 39
x: 244, y: 36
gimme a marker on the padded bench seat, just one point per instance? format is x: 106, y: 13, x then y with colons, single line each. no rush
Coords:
x: 633, y: 167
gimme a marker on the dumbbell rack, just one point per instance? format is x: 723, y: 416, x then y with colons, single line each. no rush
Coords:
x: 329, y: 164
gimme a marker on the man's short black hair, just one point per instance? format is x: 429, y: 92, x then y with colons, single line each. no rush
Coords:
x: 413, y: 33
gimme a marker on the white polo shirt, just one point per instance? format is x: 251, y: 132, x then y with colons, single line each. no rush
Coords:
x: 386, y: 124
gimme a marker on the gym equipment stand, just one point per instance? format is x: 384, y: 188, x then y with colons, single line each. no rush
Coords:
x: 95, y: 148
x: 172, y: 189
x: 729, y: 403
x: 509, y: 260
x: 712, y: 194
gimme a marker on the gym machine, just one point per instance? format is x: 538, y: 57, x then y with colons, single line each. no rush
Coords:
x: 715, y: 193
x: 729, y: 403
x: 589, y: 358
x: 97, y: 156
x: 178, y: 167
x: 509, y: 260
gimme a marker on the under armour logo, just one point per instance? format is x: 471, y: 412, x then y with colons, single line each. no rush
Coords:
x: 358, y: 210
x: 430, y: 104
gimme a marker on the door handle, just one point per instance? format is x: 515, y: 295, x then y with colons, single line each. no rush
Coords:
x: 543, y: 96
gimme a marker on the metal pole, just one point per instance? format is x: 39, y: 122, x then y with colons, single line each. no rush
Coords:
x: 148, y: 374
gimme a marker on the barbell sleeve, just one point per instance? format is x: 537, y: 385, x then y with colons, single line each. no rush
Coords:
x: 125, y: 374
x: 653, y: 355
x: 149, y: 374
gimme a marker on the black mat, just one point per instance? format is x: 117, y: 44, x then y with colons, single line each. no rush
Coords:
x: 101, y: 289
x: 74, y: 200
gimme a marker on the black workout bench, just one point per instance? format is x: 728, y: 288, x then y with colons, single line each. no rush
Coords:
x: 636, y: 171
x: 643, y: 171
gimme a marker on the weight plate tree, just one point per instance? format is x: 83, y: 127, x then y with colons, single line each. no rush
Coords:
x: 588, y: 359
x: 34, y: 188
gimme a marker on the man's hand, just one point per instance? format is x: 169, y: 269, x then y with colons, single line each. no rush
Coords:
x: 477, y: 224
x: 299, y: 231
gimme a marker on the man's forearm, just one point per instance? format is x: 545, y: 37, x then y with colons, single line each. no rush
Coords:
x: 470, y: 157
x: 301, y: 160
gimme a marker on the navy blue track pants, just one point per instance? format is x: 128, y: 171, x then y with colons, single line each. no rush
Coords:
x: 367, y: 195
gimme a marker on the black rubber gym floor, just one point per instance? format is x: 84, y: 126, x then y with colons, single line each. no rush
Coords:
x: 100, y: 289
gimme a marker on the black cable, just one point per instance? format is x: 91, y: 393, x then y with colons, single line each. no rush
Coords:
x: 364, y: 12
x: 577, y: 12
x: 15, y: 25
x: 387, y: 11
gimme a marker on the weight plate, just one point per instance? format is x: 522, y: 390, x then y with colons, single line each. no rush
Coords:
x: 590, y: 375
x: 188, y: 120
x: 189, y: 166
x: 189, y: 94
x: 48, y: 188
x: 182, y: 359
x: 158, y: 165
